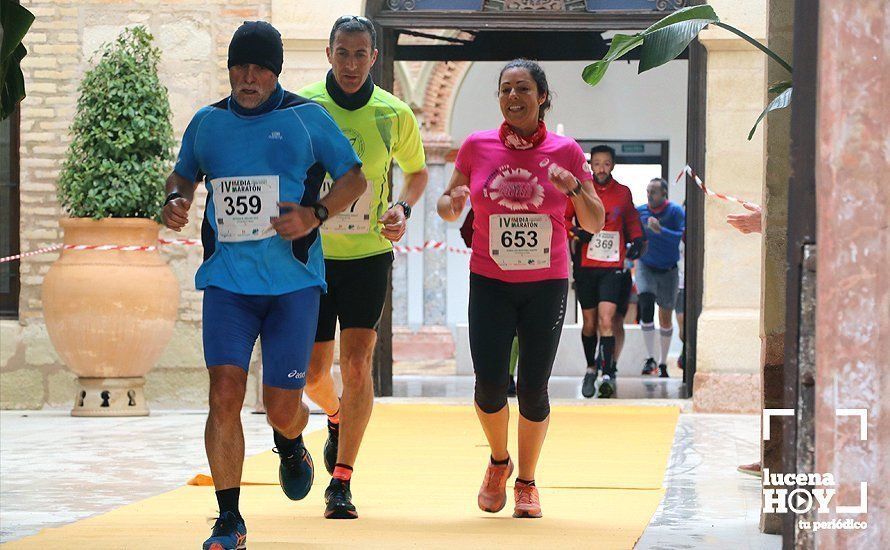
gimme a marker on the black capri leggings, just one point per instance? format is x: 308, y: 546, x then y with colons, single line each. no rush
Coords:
x: 499, y: 311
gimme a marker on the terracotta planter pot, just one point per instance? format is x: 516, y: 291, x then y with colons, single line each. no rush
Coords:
x: 110, y: 313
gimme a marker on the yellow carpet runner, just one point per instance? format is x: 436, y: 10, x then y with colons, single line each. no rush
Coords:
x: 600, y: 479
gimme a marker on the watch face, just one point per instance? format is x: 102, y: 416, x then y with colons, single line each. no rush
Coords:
x: 321, y: 212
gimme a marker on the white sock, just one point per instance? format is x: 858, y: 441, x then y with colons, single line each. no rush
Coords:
x: 666, y: 334
x: 649, y: 339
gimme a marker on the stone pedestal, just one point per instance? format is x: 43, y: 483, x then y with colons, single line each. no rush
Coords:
x: 110, y: 397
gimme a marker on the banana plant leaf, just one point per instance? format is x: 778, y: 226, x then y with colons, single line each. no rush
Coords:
x: 15, y: 21
x: 779, y: 102
x: 661, y: 42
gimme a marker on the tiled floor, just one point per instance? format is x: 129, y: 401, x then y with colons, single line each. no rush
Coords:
x: 708, y: 504
x: 56, y: 469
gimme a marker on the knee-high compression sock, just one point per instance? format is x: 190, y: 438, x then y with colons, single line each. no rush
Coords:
x: 666, y: 334
x: 607, y: 346
x: 649, y: 338
x: 590, y: 344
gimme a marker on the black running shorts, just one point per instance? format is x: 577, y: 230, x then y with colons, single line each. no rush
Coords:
x: 356, y: 293
x: 595, y: 284
x: 626, y: 291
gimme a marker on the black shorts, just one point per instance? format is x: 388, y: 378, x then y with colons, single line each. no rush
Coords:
x: 626, y: 291
x: 594, y: 285
x: 356, y: 293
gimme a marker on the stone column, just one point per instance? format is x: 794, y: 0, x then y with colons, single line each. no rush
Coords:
x: 852, y: 298
x: 728, y: 348
x: 777, y: 130
x: 437, y: 147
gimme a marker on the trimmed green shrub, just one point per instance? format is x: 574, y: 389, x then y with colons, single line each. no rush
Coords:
x: 122, y: 140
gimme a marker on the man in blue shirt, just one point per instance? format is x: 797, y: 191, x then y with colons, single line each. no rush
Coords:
x: 263, y: 153
x: 656, y: 273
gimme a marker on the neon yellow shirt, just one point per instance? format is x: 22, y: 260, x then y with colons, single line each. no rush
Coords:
x: 383, y: 130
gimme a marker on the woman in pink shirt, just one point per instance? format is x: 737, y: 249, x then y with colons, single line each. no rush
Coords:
x: 519, y: 179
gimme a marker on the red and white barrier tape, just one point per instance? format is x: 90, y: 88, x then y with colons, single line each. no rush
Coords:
x: 129, y: 248
x: 429, y: 245
x: 691, y: 173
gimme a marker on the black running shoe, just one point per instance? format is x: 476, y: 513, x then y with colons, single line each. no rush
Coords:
x: 331, y: 446
x: 588, y: 386
x: 651, y: 367
x: 229, y: 533
x: 663, y: 371
x: 607, y: 387
x: 296, y: 472
x: 338, y: 500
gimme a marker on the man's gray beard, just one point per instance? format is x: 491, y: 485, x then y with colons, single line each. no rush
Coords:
x: 604, y: 181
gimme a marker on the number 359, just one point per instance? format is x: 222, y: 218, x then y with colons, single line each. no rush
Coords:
x: 242, y: 204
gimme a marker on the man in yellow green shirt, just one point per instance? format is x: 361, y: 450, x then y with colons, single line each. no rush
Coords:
x: 357, y: 244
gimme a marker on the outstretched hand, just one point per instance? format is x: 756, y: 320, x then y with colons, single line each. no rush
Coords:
x: 749, y: 222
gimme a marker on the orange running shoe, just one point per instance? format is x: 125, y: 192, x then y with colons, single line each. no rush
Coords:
x: 528, y: 503
x: 493, y: 493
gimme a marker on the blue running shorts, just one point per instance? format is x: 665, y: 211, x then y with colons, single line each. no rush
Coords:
x: 285, y: 324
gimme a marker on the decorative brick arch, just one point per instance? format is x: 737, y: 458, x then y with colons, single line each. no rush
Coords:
x: 441, y: 92
x: 440, y: 82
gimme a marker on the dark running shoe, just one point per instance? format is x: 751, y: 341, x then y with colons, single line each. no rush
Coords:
x: 296, y: 472
x: 338, y: 501
x: 651, y: 367
x: 331, y: 446
x: 511, y: 388
x: 229, y: 533
x: 607, y: 387
x: 588, y: 386
x: 663, y: 371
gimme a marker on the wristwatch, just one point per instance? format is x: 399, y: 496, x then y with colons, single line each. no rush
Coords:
x: 406, y: 207
x: 172, y: 196
x: 577, y: 190
x: 320, y: 211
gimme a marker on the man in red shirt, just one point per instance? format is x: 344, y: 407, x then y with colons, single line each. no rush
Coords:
x: 600, y: 277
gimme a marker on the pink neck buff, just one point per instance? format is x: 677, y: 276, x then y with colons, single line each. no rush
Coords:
x: 512, y: 140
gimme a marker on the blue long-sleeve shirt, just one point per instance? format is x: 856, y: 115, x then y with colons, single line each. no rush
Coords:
x: 663, y: 250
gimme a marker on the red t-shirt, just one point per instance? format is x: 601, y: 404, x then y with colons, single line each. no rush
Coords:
x: 621, y: 227
x: 519, y: 232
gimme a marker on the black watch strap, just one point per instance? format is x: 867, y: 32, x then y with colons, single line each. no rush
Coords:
x: 172, y: 196
x: 321, y: 212
x: 577, y: 190
x: 406, y: 207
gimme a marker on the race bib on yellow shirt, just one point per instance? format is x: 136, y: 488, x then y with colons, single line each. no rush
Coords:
x: 520, y: 241
x: 244, y: 207
x: 605, y: 247
x: 356, y: 218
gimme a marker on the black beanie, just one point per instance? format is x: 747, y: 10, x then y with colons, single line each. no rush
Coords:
x: 259, y: 43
